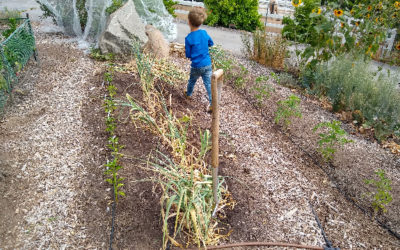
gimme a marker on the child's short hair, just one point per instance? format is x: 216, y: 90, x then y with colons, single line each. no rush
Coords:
x: 197, y: 17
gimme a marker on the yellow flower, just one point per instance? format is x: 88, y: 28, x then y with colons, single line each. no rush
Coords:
x: 352, y: 12
x: 368, y: 15
x: 318, y: 11
x: 338, y: 13
x: 357, y: 23
x: 376, y: 20
x: 342, y: 25
x: 296, y: 4
x: 369, y: 8
x: 397, y: 4
x: 398, y: 46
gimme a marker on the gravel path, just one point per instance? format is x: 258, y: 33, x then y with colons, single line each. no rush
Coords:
x: 42, y: 139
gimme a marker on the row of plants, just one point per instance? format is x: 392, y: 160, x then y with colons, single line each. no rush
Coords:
x: 181, y: 171
x: 331, y: 135
x: 113, y: 165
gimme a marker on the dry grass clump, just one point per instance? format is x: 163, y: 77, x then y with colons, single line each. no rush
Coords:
x: 183, y: 175
x: 265, y: 48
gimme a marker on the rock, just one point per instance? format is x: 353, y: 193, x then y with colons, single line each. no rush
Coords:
x: 124, y: 27
x: 156, y: 45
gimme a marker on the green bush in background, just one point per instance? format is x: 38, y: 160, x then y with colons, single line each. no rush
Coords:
x: 169, y: 6
x: 352, y: 86
x: 240, y: 14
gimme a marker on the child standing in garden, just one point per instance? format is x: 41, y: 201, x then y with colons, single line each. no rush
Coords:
x: 196, y: 48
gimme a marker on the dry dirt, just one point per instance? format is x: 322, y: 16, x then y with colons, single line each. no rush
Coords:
x: 53, y: 153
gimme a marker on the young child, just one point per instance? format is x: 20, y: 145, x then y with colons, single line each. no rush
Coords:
x: 196, y: 48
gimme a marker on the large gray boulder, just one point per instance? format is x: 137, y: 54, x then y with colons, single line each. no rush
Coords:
x: 124, y: 27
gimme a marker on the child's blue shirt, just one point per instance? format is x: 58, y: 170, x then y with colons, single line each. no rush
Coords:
x: 196, y: 48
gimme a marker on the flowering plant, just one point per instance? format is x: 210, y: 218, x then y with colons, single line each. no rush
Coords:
x: 334, y: 29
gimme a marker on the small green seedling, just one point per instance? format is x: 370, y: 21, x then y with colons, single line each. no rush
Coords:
x: 381, y: 196
x: 240, y: 80
x: 329, y: 141
x: 276, y: 77
x: 96, y: 54
x: 287, y: 109
x: 262, y: 91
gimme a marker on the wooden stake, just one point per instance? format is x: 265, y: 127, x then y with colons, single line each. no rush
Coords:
x: 216, y: 86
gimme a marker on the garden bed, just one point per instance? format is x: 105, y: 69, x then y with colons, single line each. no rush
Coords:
x: 256, y: 155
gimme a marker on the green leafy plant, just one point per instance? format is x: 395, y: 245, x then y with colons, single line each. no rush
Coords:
x: 241, y: 14
x: 381, y: 196
x: 287, y: 109
x: 169, y: 5
x: 205, y: 138
x: 261, y: 89
x: 220, y: 59
x: 239, y: 78
x: 113, y: 165
x: 329, y: 141
x: 46, y: 12
x: 96, y: 54
x: 276, y: 77
x: 12, y: 26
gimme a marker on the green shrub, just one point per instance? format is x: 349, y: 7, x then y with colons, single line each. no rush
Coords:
x: 331, y: 31
x: 241, y: 14
x: 350, y: 85
x: 287, y: 79
x: 220, y: 59
x: 261, y: 89
x: 12, y: 26
x: 287, y: 109
x: 381, y: 196
x: 329, y: 141
x: 169, y: 5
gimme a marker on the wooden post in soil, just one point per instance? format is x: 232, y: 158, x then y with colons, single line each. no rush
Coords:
x: 216, y: 86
